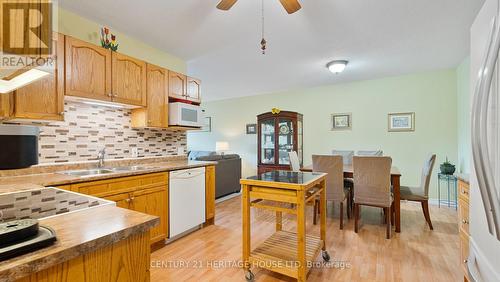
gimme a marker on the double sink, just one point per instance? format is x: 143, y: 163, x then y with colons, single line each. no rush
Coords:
x: 101, y: 171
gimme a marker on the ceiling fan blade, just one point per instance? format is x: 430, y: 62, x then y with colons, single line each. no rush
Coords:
x: 226, y: 4
x: 291, y: 6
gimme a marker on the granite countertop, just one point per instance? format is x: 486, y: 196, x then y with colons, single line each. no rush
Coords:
x: 24, y: 182
x: 78, y: 233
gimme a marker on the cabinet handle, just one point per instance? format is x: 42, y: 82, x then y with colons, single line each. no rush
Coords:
x: 128, y: 200
x: 464, y: 192
x: 115, y: 95
x: 132, y: 199
x: 110, y: 95
x: 465, y: 221
x: 466, y: 261
x: 61, y: 113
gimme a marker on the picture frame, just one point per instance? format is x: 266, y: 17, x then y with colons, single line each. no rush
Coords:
x: 341, y: 121
x: 252, y: 128
x: 401, y: 122
x: 207, y: 125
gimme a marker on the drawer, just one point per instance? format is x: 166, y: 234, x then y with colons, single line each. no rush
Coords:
x: 463, y: 216
x: 113, y: 186
x: 463, y: 191
x: 464, y: 251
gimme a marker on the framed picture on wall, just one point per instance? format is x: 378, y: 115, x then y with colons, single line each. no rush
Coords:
x: 252, y: 128
x: 207, y: 125
x: 399, y: 122
x: 341, y: 121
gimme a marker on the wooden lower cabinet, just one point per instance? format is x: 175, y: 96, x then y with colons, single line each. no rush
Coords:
x: 463, y: 224
x: 143, y: 193
x: 127, y: 260
x: 209, y: 195
x: 153, y: 202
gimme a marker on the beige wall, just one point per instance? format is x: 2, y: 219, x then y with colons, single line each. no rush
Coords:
x: 74, y: 25
x: 432, y: 96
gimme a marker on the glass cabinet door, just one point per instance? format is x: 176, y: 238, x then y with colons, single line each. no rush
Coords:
x: 267, y: 141
x: 285, y: 140
x: 300, y: 140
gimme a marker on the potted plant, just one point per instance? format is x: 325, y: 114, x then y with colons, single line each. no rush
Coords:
x: 447, y: 168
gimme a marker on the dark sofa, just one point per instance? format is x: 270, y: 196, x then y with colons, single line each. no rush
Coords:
x: 227, y: 171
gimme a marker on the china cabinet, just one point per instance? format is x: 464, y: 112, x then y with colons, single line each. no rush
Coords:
x: 278, y: 134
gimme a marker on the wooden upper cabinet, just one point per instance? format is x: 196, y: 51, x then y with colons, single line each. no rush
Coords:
x: 194, y: 89
x: 129, y: 80
x: 44, y: 99
x: 157, y: 93
x: 177, y: 85
x: 88, y: 70
x: 156, y: 112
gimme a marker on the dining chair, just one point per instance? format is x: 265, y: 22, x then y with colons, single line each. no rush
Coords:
x: 294, y: 161
x: 372, y: 182
x: 421, y: 193
x: 346, y: 155
x: 335, y: 189
x: 370, y: 153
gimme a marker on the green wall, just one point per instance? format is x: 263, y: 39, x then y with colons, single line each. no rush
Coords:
x: 74, y: 25
x: 432, y: 96
x: 463, y: 117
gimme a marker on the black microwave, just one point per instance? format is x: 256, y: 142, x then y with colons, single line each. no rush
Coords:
x: 18, y: 146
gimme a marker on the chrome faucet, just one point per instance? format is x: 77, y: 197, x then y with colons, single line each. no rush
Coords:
x: 100, y: 157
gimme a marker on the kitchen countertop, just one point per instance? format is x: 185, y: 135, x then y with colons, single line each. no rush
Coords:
x: 78, y: 233
x: 23, y: 182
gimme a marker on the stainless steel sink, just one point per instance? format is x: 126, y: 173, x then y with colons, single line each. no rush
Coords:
x: 130, y: 168
x: 100, y: 171
x: 87, y: 172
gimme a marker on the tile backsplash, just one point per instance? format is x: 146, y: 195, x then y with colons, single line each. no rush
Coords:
x: 88, y: 128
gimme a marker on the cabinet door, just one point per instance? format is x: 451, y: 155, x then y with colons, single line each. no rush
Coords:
x: 129, y: 80
x: 210, y: 194
x: 177, y: 84
x: 88, y: 70
x: 44, y: 99
x: 157, y: 94
x: 153, y: 202
x: 194, y: 89
x: 122, y: 200
x: 5, y: 105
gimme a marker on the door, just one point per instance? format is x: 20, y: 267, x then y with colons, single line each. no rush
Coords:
x: 286, y: 140
x: 129, y: 80
x: 177, y: 84
x: 44, y: 99
x: 121, y: 200
x: 157, y: 95
x: 267, y: 141
x: 194, y: 90
x: 153, y: 202
x: 88, y: 70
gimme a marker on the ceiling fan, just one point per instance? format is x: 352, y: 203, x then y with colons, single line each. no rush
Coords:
x: 291, y: 6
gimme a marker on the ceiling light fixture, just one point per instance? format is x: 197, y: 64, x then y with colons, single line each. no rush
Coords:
x: 337, y: 66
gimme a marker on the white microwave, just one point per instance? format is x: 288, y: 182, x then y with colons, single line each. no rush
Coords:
x: 182, y: 114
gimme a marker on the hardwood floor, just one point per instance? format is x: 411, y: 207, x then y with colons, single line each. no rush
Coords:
x: 416, y: 254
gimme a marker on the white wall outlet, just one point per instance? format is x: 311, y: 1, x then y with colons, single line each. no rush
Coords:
x: 135, y: 152
x: 180, y: 150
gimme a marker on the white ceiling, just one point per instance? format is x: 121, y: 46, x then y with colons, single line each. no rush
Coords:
x: 379, y: 37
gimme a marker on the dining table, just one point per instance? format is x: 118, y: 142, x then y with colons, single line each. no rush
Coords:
x: 396, y: 186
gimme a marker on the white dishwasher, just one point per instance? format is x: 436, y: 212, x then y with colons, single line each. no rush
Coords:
x: 186, y: 200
